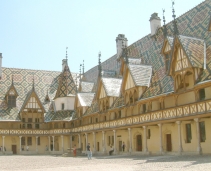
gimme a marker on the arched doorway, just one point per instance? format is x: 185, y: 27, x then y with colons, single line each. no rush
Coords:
x: 138, y: 143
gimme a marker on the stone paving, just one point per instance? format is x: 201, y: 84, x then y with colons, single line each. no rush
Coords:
x: 105, y: 163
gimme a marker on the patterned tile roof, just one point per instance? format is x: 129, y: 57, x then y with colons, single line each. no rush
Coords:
x: 59, y: 115
x: 141, y: 74
x: 66, y: 84
x: 44, y: 81
x: 86, y: 86
x: 85, y: 98
x: 118, y: 102
x: 194, y: 48
x: 170, y: 40
x: 136, y: 61
x: 92, y: 109
x: 112, y: 86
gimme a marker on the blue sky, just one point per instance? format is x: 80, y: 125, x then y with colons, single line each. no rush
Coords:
x: 34, y: 34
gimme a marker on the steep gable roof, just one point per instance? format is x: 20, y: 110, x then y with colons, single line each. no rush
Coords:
x: 85, y: 99
x: 86, y: 86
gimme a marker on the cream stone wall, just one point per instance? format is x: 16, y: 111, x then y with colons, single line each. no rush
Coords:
x: 186, y: 98
x: 69, y: 103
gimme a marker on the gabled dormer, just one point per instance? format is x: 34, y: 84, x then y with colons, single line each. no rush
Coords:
x: 166, y: 51
x: 136, y: 79
x: 108, y: 90
x: 11, y: 95
x: 187, y: 61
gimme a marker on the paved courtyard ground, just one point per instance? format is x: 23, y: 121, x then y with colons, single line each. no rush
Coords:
x: 105, y: 163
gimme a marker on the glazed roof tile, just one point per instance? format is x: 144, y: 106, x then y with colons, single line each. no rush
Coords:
x: 87, y: 86
x: 112, y: 86
x: 86, y: 98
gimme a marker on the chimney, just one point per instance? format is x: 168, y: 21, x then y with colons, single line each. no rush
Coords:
x: 121, y: 42
x: 155, y: 23
x: 0, y: 65
x: 64, y: 63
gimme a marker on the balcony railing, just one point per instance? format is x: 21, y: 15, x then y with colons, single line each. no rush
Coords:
x: 193, y: 109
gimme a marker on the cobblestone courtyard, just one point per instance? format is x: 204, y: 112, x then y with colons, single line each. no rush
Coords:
x: 105, y: 163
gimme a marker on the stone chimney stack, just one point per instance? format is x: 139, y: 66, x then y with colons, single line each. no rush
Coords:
x: 155, y: 23
x: 121, y: 42
x: 0, y: 65
x: 64, y: 63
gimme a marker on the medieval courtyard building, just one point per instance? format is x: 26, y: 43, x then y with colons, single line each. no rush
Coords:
x: 154, y: 95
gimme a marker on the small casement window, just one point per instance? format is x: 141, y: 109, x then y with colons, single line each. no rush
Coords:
x: 38, y: 141
x: 23, y: 142
x: 188, y: 133
x: 11, y: 100
x: 202, y: 131
x: 29, y: 140
x: 62, y: 106
x: 202, y: 94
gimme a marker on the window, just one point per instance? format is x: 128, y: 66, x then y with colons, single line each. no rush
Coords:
x: 96, y: 120
x: 29, y: 140
x: 37, y: 120
x: 202, y: 131
x: 29, y: 126
x: 188, y: 133
x: 38, y: 141
x: 23, y: 142
x: 104, y: 118
x: 32, y: 104
x: 63, y: 125
x: 11, y: 101
x: 62, y: 106
x: 201, y: 94
x: 144, y: 108
x: 148, y: 134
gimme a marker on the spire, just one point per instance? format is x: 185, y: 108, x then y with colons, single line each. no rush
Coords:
x: 83, y: 67
x: 164, y: 25
x: 80, y: 72
x: 99, y: 65
x: 66, y: 53
x: 174, y: 17
x: 33, y: 82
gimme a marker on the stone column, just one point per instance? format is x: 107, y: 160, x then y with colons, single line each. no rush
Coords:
x: 3, y: 142
x: 199, y: 150
x: 86, y: 140
x: 161, y: 138
x: 179, y: 137
x: 145, y: 139
x: 114, y: 141
x: 49, y: 143
x: 53, y: 142
x: 103, y: 141
x: 79, y: 138
x: 130, y: 142
x: 71, y: 143
x: 62, y: 139
x: 36, y: 143
x: 20, y: 143
x: 94, y: 142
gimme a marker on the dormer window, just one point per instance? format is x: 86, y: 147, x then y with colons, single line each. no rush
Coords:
x: 62, y: 106
x: 11, y: 99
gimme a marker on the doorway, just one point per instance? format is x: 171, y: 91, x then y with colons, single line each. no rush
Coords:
x: 14, y: 149
x: 120, y: 145
x: 168, y: 142
x: 138, y: 143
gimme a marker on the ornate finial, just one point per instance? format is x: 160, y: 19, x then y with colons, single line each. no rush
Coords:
x: 66, y: 53
x: 33, y: 82
x: 80, y: 73
x: 83, y: 67
x: 174, y: 17
x: 99, y: 65
x: 164, y: 25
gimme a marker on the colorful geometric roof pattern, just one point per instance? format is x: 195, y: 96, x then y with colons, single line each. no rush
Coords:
x: 112, y: 86
x: 92, y: 109
x: 141, y: 74
x: 44, y: 81
x: 66, y: 84
x: 134, y: 61
x: 65, y: 115
x: 194, y: 48
x: 85, y: 99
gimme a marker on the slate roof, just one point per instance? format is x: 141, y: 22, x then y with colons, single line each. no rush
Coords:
x: 85, y: 98
x: 112, y: 86
x: 92, y: 109
x: 86, y: 86
x: 135, y: 61
x: 141, y: 74
x: 65, y: 115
